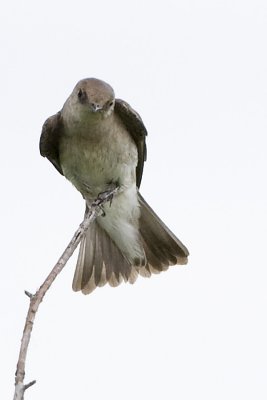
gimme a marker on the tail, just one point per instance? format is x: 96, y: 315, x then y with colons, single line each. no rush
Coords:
x: 100, y: 261
x: 162, y: 247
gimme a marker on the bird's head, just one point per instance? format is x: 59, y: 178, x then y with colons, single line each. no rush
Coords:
x: 94, y: 97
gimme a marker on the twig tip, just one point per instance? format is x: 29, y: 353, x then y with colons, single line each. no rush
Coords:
x: 30, y: 295
x: 25, y: 387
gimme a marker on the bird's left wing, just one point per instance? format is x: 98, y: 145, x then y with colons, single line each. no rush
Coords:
x: 135, y: 126
x: 49, y: 140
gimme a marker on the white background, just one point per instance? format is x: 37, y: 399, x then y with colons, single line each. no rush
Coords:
x: 196, y: 72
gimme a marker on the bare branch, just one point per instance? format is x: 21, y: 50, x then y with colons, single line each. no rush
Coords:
x: 94, y: 211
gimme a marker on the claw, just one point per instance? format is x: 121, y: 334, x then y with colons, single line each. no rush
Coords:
x: 110, y: 200
x: 106, y: 196
x: 103, y: 211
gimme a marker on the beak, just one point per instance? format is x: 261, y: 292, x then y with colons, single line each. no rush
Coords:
x: 95, y: 107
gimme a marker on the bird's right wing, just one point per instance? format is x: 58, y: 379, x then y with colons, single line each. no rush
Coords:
x: 49, y: 140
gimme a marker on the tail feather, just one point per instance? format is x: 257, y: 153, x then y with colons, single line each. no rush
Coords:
x: 162, y: 247
x: 89, y: 249
x: 100, y: 261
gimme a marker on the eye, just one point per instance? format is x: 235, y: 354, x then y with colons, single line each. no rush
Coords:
x: 82, y: 96
x: 111, y: 103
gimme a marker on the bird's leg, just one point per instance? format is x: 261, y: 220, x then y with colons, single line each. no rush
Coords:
x: 106, y: 196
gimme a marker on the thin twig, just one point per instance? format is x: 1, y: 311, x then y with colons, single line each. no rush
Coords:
x: 94, y: 211
x: 30, y: 295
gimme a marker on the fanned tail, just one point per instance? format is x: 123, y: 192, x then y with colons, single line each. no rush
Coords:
x: 100, y: 261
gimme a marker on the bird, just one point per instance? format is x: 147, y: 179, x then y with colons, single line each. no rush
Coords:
x: 98, y: 142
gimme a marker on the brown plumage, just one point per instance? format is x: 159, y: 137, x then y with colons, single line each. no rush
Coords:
x: 97, y: 141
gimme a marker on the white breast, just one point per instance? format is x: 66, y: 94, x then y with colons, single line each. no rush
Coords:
x: 92, y: 156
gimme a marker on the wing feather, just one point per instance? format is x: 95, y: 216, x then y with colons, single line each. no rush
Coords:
x: 49, y: 140
x: 135, y: 126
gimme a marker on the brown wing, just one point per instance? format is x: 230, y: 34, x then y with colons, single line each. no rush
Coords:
x: 49, y: 140
x: 136, y: 128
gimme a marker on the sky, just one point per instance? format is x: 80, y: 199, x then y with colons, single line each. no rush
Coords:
x: 196, y: 73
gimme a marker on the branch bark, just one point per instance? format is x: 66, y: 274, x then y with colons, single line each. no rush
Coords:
x: 35, y: 299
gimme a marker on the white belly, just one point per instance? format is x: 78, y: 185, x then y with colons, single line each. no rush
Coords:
x: 92, y: 165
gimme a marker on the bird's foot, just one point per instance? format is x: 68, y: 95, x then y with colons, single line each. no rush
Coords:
x: 106, y: 196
